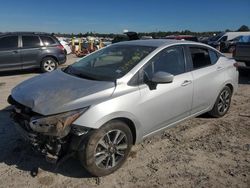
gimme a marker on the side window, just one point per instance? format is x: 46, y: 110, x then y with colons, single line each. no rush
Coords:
x: 200, y: 57
x: 47, y: 40
x: 223, y: 39
x: 169, y: 60
x: 31, y: 41
x: 8, y: 42
x: 213, y: 56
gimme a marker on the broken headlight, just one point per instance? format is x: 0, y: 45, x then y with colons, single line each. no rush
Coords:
x: 55, y: 125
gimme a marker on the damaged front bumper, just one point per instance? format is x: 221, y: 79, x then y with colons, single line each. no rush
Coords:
x: 54, y: 136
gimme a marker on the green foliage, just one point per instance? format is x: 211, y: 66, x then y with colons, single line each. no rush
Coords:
x: 243, y: 28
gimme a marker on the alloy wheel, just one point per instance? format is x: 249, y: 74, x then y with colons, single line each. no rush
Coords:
x: 49, y: 65
x: 111, y: 149
x: 224, y: 102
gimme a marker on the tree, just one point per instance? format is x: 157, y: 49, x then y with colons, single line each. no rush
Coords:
x: 243, y: 28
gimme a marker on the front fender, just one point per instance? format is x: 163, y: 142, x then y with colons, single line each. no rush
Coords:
x: 91, y: 122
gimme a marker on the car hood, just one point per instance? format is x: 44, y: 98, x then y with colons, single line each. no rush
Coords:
x: 57, y: 92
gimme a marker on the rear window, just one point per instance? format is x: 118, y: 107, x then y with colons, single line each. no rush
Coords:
x: 200, y: 57
x: 47, y: 40
x: 31, y: 41
x: 9, y: 42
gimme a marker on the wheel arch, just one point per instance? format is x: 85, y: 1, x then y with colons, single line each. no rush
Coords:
x: 130, y: 124
x: 230, y: 86
x: 127, y: 118
x: 51, y: 56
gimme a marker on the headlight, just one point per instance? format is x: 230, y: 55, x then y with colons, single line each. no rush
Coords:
x: 55, y: 125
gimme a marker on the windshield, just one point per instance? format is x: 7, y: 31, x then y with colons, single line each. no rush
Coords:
x: 110, y: 63
x: 216, y: 37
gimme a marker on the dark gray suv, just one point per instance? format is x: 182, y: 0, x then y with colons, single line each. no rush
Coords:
x: 23, y: 50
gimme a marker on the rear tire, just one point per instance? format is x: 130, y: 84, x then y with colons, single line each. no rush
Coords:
x: 106, y: 149
x: 222, y: 103
x: 48, y: 64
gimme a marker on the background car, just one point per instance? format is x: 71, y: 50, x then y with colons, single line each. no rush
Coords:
x: 24, y: 50
x: 215, y: 41
x: 65, y: 45
x: 126, y: 36
x: 229, y: 46
x: 242, y: 52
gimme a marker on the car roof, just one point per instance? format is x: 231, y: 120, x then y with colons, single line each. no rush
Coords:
x: 24, y: 32
x: 155, y: 42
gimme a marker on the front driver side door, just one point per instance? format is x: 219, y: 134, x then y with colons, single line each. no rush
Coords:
x: 169, y: 102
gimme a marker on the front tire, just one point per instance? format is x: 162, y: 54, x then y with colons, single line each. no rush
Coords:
x: 48, y: 64
x: 106, y: 148
x: 222, y: 103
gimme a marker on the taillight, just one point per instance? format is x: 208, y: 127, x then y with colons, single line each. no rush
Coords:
x: 60, y: 47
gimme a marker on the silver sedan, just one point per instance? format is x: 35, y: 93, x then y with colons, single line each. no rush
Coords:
x: 111, y: 99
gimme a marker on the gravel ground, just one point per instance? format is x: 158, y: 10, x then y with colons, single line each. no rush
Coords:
x: 201, y: 152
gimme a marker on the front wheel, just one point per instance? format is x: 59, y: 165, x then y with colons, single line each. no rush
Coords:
x: 107, y: 148
x: 222, y: 103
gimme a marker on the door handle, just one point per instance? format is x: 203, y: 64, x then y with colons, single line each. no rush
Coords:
x: 15, y: 52
x: 186, y: 82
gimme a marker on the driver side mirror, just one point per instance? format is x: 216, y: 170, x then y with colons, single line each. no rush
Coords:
x: 159, y: 78
x: 162, y: 77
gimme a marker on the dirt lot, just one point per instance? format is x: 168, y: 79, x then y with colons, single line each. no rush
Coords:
x: 201, y: 152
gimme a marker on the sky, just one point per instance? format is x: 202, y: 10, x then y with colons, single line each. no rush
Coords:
x: 114, y: 16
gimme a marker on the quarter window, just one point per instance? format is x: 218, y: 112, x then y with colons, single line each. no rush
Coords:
x: 9, y: 42
x: 169, y: 60
x: 200, y: 57
x: 47, y: 40
x: 31, y: 41
x: 213, y: 56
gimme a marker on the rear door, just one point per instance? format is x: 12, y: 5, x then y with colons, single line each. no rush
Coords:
x: 207, y: 76
x: 30, y: 51
x: 9, y: 53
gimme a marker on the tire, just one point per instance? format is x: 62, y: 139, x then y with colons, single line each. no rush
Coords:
x: 101, y: 158
x: 48, y: 64
x: 222, y: 103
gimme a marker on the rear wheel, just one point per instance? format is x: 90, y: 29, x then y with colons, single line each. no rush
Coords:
x: 222, y: 103
x: 107, y: 148
x: 48, y: 64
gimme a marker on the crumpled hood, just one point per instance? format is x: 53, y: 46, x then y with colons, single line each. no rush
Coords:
x: 57, y: 92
